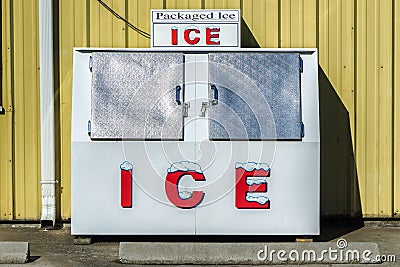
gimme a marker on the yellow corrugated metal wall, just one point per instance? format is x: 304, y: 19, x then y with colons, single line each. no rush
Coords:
x: 20, y: 132
x: 359, y: 45
x: 396, y: 111
x: 374, y: 79
x: 6, y: 140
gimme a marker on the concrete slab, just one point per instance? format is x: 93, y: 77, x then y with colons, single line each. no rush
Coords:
x: 248, y: 253
x: 14, y: 252
x: 56, y: 248
x: 82, y: 240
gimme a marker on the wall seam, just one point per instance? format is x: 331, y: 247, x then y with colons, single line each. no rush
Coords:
x: 87, y: 22
x: 317, y: 25
x: 393, y: 106
x: 12, y: 96
x: 126, y: 25
x: 279, y: 23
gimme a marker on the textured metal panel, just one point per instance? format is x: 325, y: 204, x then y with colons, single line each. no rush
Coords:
x: 259, y: 96
x: 133, y: 96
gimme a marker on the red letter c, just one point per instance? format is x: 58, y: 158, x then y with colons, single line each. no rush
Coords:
x: 193, y: 41
x: 171, y: 189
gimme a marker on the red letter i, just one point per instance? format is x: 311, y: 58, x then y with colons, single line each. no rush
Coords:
x: 174, y: 35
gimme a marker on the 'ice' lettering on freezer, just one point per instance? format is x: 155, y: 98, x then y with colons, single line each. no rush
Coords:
x: 252, y: 185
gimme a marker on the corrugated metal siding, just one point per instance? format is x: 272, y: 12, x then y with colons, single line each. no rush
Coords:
x: 396, y: 105
x: 6, y: 120
x: 26, y: 120
x: 20, y: 143
x: 374, y: 137
x: 336, y: 59
x: 358, y: 42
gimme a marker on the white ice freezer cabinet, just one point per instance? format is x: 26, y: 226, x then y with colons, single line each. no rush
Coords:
x: 195, y: 142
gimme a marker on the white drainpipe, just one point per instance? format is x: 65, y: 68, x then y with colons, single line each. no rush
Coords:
x: 47, y: 112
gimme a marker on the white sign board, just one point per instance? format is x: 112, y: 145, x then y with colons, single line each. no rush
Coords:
x: 195, y: 28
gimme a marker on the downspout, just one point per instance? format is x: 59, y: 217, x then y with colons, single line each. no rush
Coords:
x: 48, y: 180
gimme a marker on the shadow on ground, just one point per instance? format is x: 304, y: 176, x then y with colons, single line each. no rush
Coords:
x: 330, y: 230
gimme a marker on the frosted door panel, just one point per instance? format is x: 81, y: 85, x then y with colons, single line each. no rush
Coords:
x: 258, y: 96
x: 133, y: 96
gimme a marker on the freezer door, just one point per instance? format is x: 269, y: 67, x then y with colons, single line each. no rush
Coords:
x: 255, y: 96
x: 134, y: 96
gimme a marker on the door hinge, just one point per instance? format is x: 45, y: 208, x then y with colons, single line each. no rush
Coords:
x: 302, y: 129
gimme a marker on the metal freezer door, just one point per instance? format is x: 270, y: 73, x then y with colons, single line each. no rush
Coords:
x: 125, y: 89
x: 256, y: 96
x: 134, y: 96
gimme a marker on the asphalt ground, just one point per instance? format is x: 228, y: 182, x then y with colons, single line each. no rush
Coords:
x: 55, y: 247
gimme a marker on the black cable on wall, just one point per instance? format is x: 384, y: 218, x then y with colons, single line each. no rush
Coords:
x: 130, y: 25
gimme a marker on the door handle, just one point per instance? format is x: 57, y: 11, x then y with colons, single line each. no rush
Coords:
x: 185, y: 106
x: 214, y: 88
x: 178, y: 94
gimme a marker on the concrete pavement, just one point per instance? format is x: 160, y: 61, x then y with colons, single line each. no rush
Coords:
x: 55, y: 247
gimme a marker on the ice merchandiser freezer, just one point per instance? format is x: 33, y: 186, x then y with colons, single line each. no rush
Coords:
x: 195, y: 142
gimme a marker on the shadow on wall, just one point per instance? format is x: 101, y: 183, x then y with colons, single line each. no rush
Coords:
x: 246, y: 36
x: 57, y: 110
x: 340, y: 195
